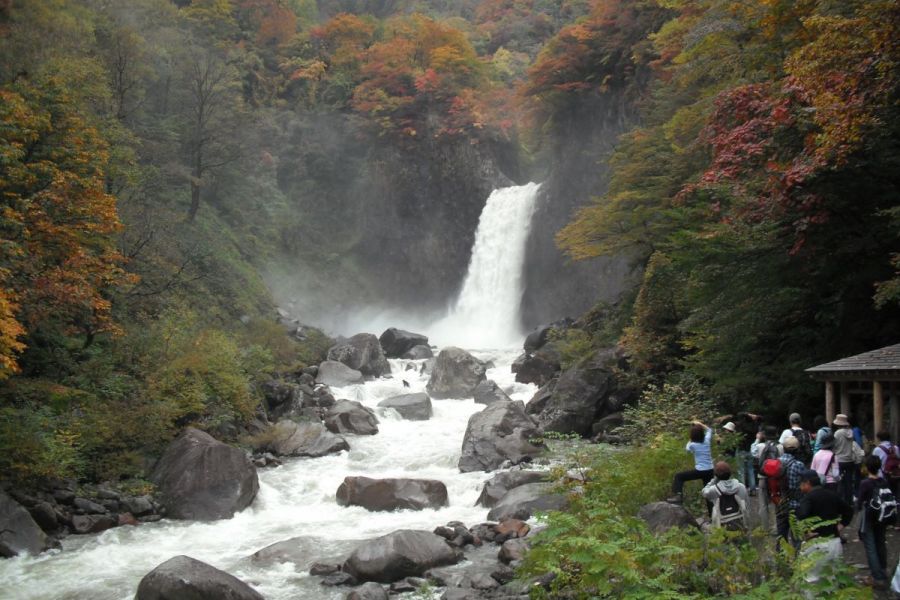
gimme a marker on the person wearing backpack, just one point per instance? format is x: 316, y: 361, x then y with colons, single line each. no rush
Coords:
x: 846, y: 450
x: 766, y: 449
x: 825, y: 464
x: 823, y: 544
x: 820, y: 426
x: 789, y: 484
x: 729, y: 499
x: 878, y: 507
x: 804, y: 453
x: 890, y: 460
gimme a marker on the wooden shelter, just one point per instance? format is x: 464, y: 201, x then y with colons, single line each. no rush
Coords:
x: 871, y: 375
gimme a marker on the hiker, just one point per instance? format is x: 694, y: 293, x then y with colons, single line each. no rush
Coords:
x: 804, y: 453
x: 765, y: 448
x: 890, y: 460
x: 729, y: 499
x: 825, y: 463
x: 823, y: 543
x: 848, y: 454
x: 793, y: 469
x: 729, y: 439
x: 820, y: 426
x: 878, y: 509
x: 701, y: 439
x: 746, y: 426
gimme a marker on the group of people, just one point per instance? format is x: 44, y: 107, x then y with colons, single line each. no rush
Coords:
x: 812, y: 475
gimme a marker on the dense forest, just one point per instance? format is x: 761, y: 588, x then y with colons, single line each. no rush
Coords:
x: 163, y: 162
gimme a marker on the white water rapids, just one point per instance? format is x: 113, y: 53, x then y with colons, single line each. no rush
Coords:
x: 298, y: 498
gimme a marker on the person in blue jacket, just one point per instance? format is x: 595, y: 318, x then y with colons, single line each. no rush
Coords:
x: 700, y: 447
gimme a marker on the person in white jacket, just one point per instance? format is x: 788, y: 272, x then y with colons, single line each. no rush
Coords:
x: 723, y: 512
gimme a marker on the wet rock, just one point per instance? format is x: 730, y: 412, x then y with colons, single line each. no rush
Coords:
x: 418, y: 353
x: 93, y: 523
x: 347, y: 416
x: 541, y: 334
x: 302, y: 551
x: 127, y: 519
x: 501, y: 432
x: 503, y: 574
x: 510, y: 529
x: 397, y: 342
x: 305, y: 439
x: 138, y: 505
x: 44, y: 515
x: 368, y: 591
x: 413, y: 407
x: 363, y: 353
x: 337, y: 374
x: 201, y: 478
x: 662, y: 516
x: 19, y: 534
x: 512, y: 550
x: 188, y: 578
x: 339, y: 578
x: 486, y: 532
x: 392, y: 494
x: 105, y: 493
x: 456, y: 374
x: 400, y: 554
x: 523, y: 501
x: 538, y: 368
x: 402, y: 587
x: 281, y: 398
x: 320, y: 569
x: 88, y: 506
x: 488, y: 392
x: 497, y: 486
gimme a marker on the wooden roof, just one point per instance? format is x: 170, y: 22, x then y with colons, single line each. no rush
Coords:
x: 884, y: 361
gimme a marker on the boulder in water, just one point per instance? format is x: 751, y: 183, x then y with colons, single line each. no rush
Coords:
x: 523, y: 501
x: 397, y: 342
x: 201, y: 478
x: 348, y: 416
x: 337, y: 374
x: 414, y: 407
x: 19, y: 534
x: 304, y: 439
x: 368, y: 591
x: 497, y: 486
x: 501, y: 432
x: 488, y: 392
x: 400, y: 554
x: 392, y: 494
x: 456, y: 374
x: 418, y: 353
x: 363, y: 353
x: 188, y: 578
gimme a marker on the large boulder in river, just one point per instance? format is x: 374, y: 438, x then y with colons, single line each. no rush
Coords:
x: 523, y: 501
x: 501, y: 432
x: 201, y: 478
x: 579, y: 397
x: 185, y: 578
x: 500, y: 484
x: 400, y: 554
x: 336, y: 374
x: 488, y: 392
x: 348, y: 416
x: 19, y: 534
x: 397, y: 342
x: 456, y: 374
x: 418, y: 353
x: 538, y: 367
x: 414, y: 407
x: 392, y: 494
x: 362, y: 353
x: 304, y: 439
x: 662, y: 516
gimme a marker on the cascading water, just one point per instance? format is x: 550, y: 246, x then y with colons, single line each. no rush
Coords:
x: 298, y: 498
x: 486, y: 314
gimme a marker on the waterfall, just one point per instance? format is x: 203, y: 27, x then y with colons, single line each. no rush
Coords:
x: 486, y: 313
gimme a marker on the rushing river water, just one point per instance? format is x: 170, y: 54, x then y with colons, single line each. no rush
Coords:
x: 298, y: 498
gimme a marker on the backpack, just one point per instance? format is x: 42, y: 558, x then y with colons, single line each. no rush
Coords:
x: 770, y: 450
x: 883, y: 504
x: 731, y: 510
x: 804, y: 453
x: 891, y: 466
x: 773, y: 469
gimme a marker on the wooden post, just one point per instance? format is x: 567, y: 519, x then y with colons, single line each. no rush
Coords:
x: 895, y: 415
x: 877, y: 406
x: 845, y: 398
x: 829, y: 401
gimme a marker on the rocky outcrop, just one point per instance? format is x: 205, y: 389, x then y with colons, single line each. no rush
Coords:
x: 523, y: 501
x: 456, y: 374
x: 541, y: 335
x: 336, y: 374
x: 538, y: 367
x: 397, y: 342
x: 304, y: 439
x: 400, y: 554
x: 413, y: 407
x: 500, y: 484
x: 188, y: 578
x: 362, y: 353
x: 392, y: 494
x: 579, y: 397
x: 19, y: 534
x: 500, y: 434
x: 201, y: 478
x: 488, y: 392
x: 662, y: 516
x: 348, y: 416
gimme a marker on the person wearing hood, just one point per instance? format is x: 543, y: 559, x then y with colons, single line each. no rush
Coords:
x: 729, y: 499
x: 825, y: 463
